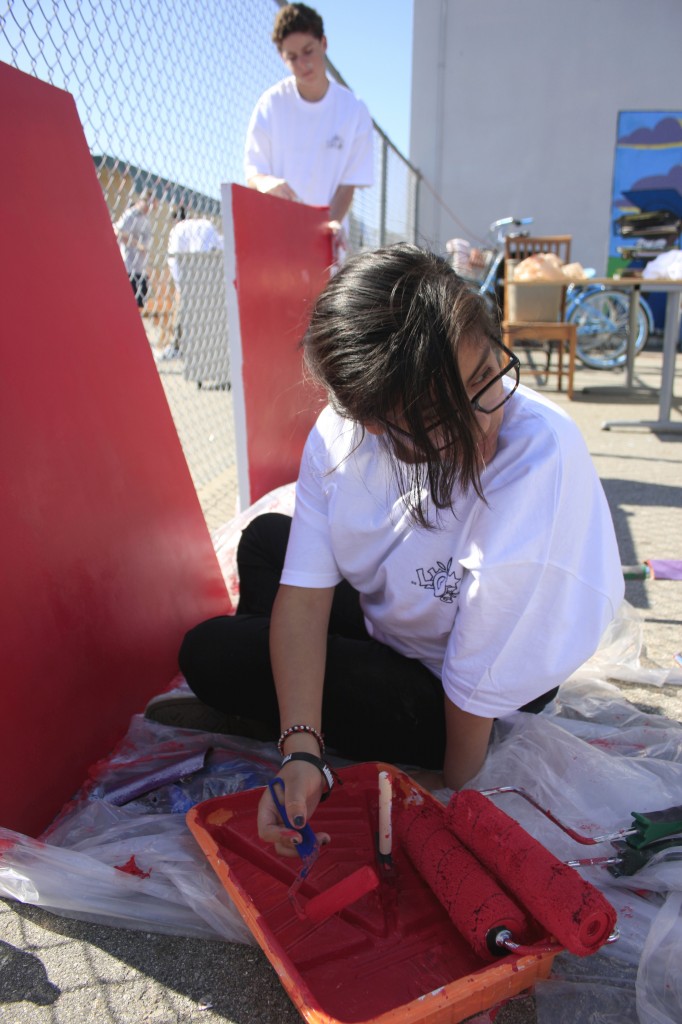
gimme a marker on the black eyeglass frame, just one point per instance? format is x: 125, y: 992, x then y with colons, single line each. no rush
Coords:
x: 513, y: 364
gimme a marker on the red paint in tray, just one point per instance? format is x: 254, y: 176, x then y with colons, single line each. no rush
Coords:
x: 394, y: 954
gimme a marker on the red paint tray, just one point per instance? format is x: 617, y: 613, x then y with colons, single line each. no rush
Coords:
x: 394, y: 955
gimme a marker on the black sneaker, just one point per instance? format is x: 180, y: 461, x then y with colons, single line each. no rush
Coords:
x: 188, y: 712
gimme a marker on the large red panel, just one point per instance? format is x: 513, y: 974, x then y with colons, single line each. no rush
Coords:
x: 277, y: 256
x: 106, y: 559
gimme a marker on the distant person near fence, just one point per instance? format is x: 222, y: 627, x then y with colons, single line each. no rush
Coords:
x: 189, y: 235
x: 309, y: 138
x: 134, y: 233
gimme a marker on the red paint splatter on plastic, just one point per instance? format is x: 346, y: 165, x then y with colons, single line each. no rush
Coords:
x: 131, y: 868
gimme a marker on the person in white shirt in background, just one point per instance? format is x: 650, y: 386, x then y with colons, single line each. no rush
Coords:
x: 309, y: 138
x: 194, y: 234
x: 134, y: 234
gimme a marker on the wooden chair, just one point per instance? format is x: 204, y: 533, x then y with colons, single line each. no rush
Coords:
x: 535, y: 313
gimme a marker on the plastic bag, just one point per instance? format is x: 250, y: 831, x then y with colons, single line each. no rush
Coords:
x: 667, y: 265
x: 179, y: 895
x: 136, y: 865
x: 541, y: 266
x: 596, y: 990
x: 619, y: 652
x: 659, y: 979
x: 226, y: 538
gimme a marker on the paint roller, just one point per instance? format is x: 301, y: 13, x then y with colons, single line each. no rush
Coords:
x: 565, y: 904
x: 348, y: 890
x: 473, y: 899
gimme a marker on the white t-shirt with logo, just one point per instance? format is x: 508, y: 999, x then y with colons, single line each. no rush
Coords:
x: 314, y: 146
x: 502, y: 601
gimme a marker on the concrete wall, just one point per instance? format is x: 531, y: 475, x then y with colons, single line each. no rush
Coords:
x: 515, y: 103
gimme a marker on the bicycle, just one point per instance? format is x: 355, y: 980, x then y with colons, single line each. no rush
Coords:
x: 601, y: 312
x: 602, y: 315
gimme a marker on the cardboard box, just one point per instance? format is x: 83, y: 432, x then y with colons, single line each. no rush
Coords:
x: 534, y: 302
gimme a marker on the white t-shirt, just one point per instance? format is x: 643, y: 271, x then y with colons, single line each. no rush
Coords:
x: 197, y: 234
x: 502, y: 601
x: 135, y: 224
x: 314, y: 146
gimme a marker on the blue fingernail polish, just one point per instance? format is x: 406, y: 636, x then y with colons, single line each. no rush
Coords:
x: 298, y: 821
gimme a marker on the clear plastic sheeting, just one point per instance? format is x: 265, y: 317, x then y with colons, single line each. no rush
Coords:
x: 592, y: 758
x: 226, y: 538
x: 618, y: 656
x: 659, y: 980
x: 137, y: 865
x: 595, y: 990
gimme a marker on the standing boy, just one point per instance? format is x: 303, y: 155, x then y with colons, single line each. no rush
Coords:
x: 309, y: 138
x: 134, y: 233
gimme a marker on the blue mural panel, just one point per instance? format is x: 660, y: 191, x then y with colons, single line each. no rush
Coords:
x: 647, y: 181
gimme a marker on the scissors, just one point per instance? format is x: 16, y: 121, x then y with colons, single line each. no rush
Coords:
x: 308, y: 849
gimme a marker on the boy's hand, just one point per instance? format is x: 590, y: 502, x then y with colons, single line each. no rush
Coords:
x: 272, y: 186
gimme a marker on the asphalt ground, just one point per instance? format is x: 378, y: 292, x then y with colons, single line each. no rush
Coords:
x: 58, y: 971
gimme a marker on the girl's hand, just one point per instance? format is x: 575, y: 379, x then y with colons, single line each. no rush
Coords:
x: 303, y: 786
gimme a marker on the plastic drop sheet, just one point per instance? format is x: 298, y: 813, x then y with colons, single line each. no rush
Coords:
x: 592, y: 758
x: 136, y: 865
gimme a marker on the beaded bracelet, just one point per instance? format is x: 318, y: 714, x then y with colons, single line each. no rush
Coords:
x: 328, y: 774
x: 293, y: 729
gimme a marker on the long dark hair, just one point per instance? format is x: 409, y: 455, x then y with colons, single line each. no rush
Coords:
x: 384, y: 337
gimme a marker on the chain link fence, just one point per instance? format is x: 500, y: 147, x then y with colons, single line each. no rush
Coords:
x: 164, y: 90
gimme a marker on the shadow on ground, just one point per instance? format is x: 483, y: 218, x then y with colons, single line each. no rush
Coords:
x: 23, y: 977
x: 227, y: 981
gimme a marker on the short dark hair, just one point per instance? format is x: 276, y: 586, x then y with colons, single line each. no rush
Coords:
x: 296, y: 18
x: 383, y: 339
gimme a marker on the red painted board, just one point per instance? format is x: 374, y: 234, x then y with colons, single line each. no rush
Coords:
x: 277, y: 259
x: 106, y: 559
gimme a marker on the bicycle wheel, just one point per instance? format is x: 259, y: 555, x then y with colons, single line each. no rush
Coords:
x: 603, y: 321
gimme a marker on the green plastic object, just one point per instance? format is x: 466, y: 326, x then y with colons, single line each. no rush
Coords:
x: 654, y: 826
x: 636, y: 572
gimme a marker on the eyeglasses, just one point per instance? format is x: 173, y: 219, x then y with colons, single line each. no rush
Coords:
x: 497, y: 396
x: 494, y: 402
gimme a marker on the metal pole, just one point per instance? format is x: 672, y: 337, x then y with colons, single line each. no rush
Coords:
x: 384, y: 192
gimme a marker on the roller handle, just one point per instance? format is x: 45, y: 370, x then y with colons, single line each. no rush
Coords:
x: 653, y: 826
x: 309, y: 844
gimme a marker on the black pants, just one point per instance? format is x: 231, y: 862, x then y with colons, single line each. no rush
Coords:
x: 378, y: 705
x: 140, y: 287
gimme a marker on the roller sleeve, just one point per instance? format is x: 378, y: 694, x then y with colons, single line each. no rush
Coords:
x: 570, y: 908
x: 474, y: 901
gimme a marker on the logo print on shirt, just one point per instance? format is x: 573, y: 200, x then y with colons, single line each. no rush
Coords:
x: 336, y: 142
x: 443, y: 582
